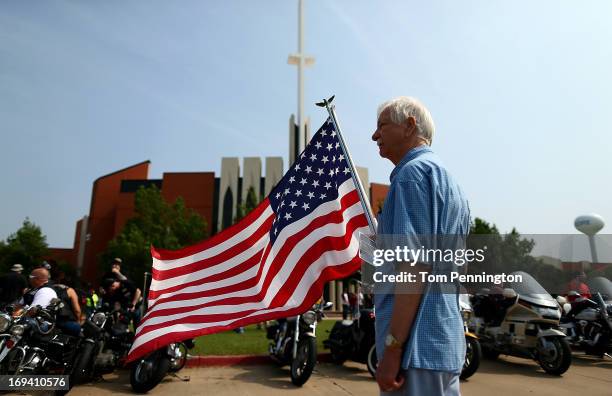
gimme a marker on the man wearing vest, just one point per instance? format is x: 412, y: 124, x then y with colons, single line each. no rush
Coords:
x: 40, y: 293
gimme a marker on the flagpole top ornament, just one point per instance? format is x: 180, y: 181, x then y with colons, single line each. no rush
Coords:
x: 326, y: 102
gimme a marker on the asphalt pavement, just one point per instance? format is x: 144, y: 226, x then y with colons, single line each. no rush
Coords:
x: 506, y: 376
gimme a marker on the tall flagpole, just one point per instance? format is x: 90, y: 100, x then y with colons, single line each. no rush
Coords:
x: 331, y: 109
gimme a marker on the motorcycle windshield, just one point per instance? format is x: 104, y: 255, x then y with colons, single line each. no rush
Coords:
x: 601, y: 285
x: 531, y: 291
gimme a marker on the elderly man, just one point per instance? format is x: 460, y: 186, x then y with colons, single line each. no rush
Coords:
x: 419, y: 334
x: 40, y: 293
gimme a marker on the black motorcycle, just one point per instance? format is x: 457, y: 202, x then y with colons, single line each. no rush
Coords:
x: 588, y: 322
x: 294, y: 342
x: 150, y: 370
x: 32, y: 345
x: 106, y: 342
x: 354, y: 340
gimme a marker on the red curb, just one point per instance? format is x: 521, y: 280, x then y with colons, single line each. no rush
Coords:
x: 231, y: 360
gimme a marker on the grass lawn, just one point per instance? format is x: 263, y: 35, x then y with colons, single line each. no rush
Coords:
x: 252, y: 342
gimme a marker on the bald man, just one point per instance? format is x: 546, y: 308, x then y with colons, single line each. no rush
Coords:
x: 40, y: 293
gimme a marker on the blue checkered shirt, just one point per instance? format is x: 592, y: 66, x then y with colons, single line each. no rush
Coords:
x: 424, y: 199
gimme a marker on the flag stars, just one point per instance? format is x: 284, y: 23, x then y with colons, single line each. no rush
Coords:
x: 278, y: 195
x: 331, y: 172
x: 323, y: 196
x: 303, y: 181
x: 323, y: 132
x: 318, y: 145
x: 287, y: 216
x: 346, y: 171
x: 320, y: 172
x: 282, y: 204
x: 329, y: 147
x: 313, y: 157
x: 298, y: 193
x: 286, y: 191
x: 297, y: 167
x: 305, y: 206
x: 310, y: 195
x: 291, y: 179
x: 325, y: 159
x: 315, y: 183
x: 293, y: 204
x: 341, y: 157
x: 333, y: 134
x: 308, y: 169
x: 337, y: 145
x: 327, y: 185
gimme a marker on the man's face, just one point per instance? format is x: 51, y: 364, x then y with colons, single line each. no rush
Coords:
x: 37, y: 279
x: 390, y: 137
x: 116, y: 267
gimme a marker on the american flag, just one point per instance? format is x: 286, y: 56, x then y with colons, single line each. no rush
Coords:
x: 274, y: 263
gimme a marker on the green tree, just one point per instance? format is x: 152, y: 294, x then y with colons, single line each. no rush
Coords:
x: 28, y: 246
x: 247, y: 206
x: 508, y: 253
x: 156, y: 223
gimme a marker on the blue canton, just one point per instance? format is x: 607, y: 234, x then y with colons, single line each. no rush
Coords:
x: 423, y: 199
x: 312, y: 180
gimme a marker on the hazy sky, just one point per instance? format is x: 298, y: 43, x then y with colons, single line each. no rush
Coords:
x: 520, y: 92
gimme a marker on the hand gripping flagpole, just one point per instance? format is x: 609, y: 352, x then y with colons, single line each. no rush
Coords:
x: 327, y: 103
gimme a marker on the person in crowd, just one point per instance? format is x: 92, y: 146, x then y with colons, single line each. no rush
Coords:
x: 419, y: 331
x: 345, y: 306
x: 40, y: 292
x: 577, y: 284
x: 68, y: 318
x: 12, y: 285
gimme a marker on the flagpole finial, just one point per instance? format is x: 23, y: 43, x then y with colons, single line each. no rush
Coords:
x: 326, y: 102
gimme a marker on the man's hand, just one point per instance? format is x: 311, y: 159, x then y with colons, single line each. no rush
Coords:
x: 388, y: 373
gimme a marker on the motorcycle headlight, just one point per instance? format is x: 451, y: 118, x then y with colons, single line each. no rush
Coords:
x: 99, y: 318
x: 309, y: 317
x: 17, y: 330
x: 5, y: 322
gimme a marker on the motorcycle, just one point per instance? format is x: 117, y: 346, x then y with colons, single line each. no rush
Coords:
x: 354, y: 340
x: 588, y: 322
x: 473, y: 351
x: 107, y: 339
x: 294, y: 342
x: 523, y: 322
x: 33, y: 346
x: 150, y: 370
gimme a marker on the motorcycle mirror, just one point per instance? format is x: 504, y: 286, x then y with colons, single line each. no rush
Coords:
x: 328, y: 305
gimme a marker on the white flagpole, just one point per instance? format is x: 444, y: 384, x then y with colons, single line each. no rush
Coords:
x: 327, y: 103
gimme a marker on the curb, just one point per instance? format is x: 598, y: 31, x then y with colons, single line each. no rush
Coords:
x: 246, y: 360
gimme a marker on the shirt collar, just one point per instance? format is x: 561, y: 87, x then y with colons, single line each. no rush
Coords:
x: 410, y: 155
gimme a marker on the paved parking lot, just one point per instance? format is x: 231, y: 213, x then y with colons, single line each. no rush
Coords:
x: 507, y: 376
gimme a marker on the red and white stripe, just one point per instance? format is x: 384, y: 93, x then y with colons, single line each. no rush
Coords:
x: 237, y: 277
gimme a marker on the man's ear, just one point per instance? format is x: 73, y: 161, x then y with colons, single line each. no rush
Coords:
x: 410, y: 125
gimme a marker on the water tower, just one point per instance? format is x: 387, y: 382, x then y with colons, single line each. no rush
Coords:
x: 590, y: 225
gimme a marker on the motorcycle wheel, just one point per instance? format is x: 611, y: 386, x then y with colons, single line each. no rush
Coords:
x: 178, y: 363
x: 372, y: 362
x: 149, y: 371
x: 338, y: 356
x: 473, y: 354
x: 304, y: 362
x: 490, y: 354
x: 560, y: 361
x: 81, y: 372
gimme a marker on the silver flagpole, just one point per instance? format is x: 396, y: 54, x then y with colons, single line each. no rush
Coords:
x: 327, y: 103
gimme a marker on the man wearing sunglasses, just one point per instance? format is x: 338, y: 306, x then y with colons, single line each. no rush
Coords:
x: 40, y: 293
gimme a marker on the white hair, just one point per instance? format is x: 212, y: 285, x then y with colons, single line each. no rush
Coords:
x: 403, y: 107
